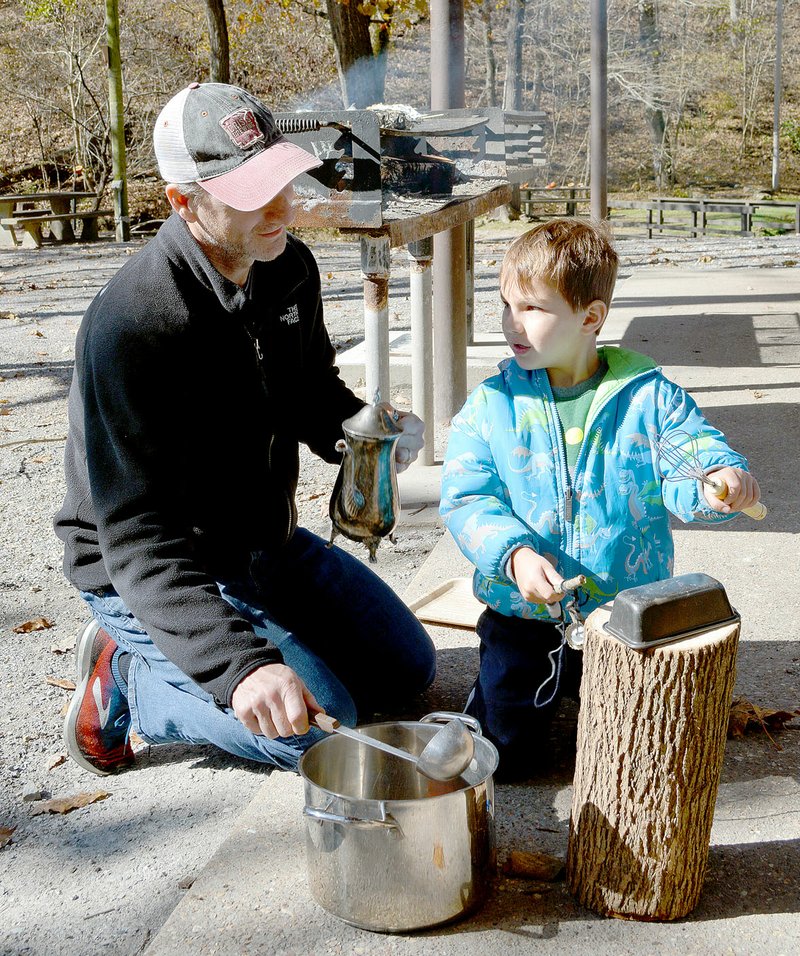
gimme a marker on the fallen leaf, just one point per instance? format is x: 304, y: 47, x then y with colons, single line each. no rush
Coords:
x: 533, y: 866
x: 64, y: 645
x: 5, y: 836
x: 135, y: 740
x: 790, y: 262
x: 37, y: 624
x: 5, y: 411
x: 41, y: 459
x: 330, y: 275
x: 60, y: 682
x: 758, y: 394
x: 745, y: 716
x: 67, y: 804
x: 706, y: 259
x: 56, y: 761
x: 38, y: 334
x: 9, y: 315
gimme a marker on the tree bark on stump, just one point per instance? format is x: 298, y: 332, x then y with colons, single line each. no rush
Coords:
x: 651, y: 737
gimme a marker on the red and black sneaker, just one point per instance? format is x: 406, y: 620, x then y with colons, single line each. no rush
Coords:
x: 98, y: 721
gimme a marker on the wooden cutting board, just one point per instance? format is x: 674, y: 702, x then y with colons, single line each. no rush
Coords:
x: 452, y: 603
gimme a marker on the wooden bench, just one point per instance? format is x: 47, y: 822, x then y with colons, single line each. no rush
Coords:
x: 25, y: 226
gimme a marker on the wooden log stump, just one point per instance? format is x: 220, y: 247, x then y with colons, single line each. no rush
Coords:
x: 651, y: 737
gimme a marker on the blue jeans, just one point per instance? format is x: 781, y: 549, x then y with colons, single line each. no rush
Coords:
x: 345, y: 632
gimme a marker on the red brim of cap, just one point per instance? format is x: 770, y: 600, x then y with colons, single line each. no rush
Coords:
x: 254, y: 183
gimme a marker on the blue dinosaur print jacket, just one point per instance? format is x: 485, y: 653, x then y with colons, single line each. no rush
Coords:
x: 505, y: 481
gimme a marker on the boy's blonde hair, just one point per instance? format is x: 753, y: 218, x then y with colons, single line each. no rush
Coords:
x: 573, y: 256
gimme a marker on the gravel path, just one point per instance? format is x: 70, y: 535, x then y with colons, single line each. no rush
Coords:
x: 105, y: 877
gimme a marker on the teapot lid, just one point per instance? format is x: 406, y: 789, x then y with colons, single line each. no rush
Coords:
x: 373, y: 421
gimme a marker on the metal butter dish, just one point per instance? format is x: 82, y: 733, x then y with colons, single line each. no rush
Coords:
x: 668, y: 611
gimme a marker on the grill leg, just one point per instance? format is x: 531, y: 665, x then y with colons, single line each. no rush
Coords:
x: 449, y: 322
x: 421, y: 280
x: 375, y: 273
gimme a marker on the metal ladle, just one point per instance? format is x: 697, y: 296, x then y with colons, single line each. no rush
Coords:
x: 446, y: 755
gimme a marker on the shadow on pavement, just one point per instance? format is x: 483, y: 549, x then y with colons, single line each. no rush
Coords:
x: 717, y: 339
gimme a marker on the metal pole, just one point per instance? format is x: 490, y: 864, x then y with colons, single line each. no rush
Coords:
x: 447, y: 54
x: 116, y: 125
x: 375, y: 275
x: 421, y: 254
x: 449, y: 279
x: 776, y: 119
x: 598, y: 147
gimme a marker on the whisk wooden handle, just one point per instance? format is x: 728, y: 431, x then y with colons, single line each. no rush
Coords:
x: 720, y: 489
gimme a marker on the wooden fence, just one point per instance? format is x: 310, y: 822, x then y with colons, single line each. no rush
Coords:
x: 695, y: 217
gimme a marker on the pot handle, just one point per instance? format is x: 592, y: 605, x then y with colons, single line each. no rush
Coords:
x: 445, y: 716
x: 325, y: 816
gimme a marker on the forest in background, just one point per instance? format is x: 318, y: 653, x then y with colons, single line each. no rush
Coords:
x: 690, y: 91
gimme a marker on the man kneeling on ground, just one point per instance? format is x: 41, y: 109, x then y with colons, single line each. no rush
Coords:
x: 199, y: 369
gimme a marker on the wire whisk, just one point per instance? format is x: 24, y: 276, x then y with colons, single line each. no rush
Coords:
x: 684, y: 460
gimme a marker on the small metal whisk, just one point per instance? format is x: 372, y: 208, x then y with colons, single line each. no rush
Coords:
x: 684, y: 460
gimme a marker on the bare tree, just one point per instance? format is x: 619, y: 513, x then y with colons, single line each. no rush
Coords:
x: 654, y: 113
x: 219, y: 59
x: 360, y: 73
x: 512, y: 91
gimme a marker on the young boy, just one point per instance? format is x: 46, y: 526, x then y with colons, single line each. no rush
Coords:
x: 552, y: 470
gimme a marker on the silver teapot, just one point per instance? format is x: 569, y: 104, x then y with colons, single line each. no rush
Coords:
x: 365, y: 501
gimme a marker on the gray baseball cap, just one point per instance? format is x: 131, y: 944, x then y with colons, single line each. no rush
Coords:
x: 224, y: 139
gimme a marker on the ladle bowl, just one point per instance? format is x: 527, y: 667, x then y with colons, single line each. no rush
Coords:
x: 446, y: 755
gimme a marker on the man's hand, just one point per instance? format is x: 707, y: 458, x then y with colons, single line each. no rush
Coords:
x: 536, y: 577
x: 743, y: 490
x: 274, y: 702
x: 411, y: 442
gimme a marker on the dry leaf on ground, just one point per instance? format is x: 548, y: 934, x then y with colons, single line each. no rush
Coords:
x: 5, y: 836
x: 61, y: 682
x: 135, y: 740
x: 746, y: 716
x: 533, y: 866
x: 56, y: 761
x: 74, y: 802
x: 37, y: 624
x: 64, y: 645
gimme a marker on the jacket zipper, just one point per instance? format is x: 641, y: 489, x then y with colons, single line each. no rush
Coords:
x: 562, y: 454
x: 290, y: 510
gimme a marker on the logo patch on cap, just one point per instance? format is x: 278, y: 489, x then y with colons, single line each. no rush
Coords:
x: 242, y: 128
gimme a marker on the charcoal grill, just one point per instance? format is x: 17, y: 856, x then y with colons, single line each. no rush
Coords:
x: 396, y: 177
x: 387, y: 163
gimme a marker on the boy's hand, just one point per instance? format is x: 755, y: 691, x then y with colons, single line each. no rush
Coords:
x: 743, y: 490
x: 536, y: 577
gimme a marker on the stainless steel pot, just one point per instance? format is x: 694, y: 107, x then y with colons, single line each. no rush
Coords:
x: 387, y: 848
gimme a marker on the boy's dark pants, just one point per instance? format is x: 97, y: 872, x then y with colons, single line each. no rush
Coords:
x: 514, y: 709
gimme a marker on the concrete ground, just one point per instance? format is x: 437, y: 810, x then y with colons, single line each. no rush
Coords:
x: 732, y: 337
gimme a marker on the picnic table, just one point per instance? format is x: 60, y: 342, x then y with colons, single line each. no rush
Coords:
x: 22, y: 216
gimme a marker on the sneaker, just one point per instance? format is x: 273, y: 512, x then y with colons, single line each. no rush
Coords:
x: 98, y: 721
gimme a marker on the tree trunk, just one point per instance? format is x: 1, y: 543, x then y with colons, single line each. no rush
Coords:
x: 219, y: 66
x: 651, y: 737
x: 361, y: 72
x: 656, y: 121
x: 512, y: 92
x: 490, y: 92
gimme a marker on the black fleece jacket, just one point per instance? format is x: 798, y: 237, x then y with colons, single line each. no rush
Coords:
x: 188, y: 401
